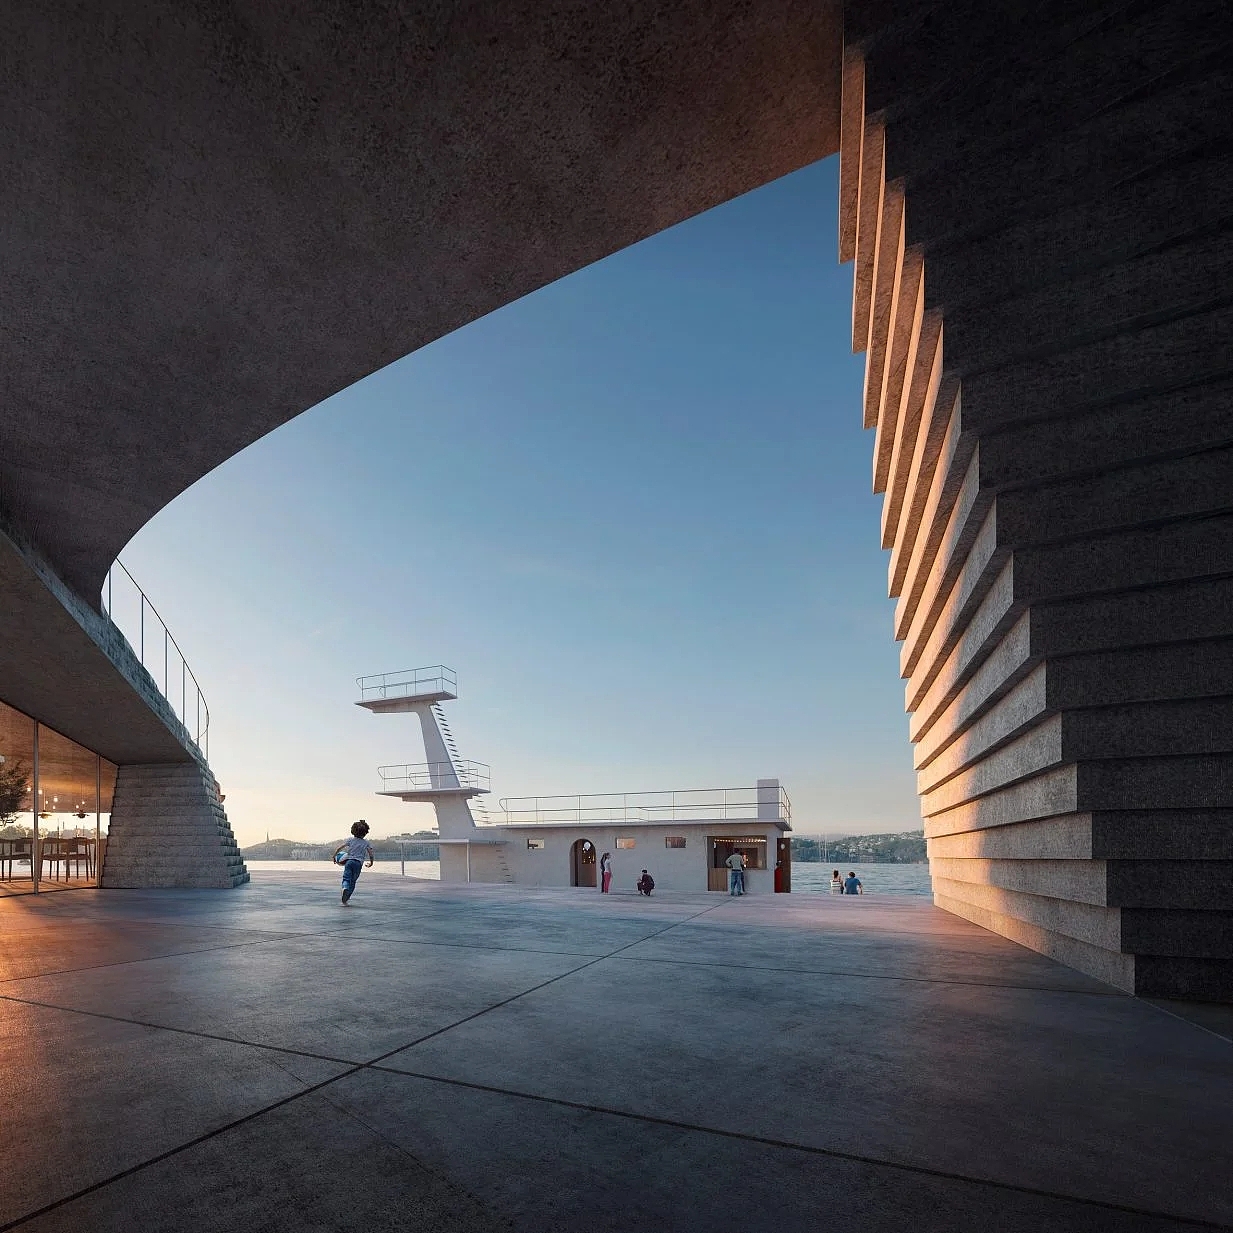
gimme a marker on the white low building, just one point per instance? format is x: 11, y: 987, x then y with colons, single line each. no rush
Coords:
x: 682, y: 838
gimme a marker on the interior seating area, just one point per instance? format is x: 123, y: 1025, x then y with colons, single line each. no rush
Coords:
x: 55, y: 805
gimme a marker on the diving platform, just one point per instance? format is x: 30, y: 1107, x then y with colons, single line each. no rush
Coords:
x: 428, y: 781
x: 398, y: 692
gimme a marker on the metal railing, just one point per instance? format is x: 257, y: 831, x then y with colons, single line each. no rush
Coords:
x: 137, y: 621
x: 434, y: 776
x: 767, y: 804
x: 409, y: 683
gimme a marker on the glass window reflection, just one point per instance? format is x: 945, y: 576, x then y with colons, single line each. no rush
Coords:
x: 54, y: 796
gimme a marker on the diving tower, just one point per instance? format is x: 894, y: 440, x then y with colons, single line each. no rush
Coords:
x: 444, y: 780
x: 556, y: 840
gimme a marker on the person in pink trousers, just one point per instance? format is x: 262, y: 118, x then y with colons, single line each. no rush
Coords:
x: 605, y: 872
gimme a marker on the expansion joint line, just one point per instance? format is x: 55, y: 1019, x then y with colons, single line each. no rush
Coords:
x: 371, y: 1064
x: 811, y: 1150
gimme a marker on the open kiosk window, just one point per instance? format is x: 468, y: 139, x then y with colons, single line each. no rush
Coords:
x: 751, y: 847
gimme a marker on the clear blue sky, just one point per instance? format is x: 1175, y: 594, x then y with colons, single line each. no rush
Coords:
x: 632, y: 511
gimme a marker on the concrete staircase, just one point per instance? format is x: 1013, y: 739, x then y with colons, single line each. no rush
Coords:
x: 169, y: 828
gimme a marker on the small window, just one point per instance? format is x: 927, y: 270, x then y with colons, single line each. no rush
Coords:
x: 674, y: 841
x: 627, y: 843
x: 535, y: 845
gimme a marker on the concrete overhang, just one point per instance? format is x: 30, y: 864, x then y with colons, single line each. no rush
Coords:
x: 66, y: 665
x: 217, y: 215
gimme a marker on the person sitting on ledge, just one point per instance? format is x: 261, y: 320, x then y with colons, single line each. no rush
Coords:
x: 646, y: 884
x: 852, y: 884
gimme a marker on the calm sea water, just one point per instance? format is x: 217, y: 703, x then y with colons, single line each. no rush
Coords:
x: 815, y: 879
x: 415, y: 869
x: 811, y: 879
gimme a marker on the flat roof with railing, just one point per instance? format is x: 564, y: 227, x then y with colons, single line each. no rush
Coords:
x: 767, y: 803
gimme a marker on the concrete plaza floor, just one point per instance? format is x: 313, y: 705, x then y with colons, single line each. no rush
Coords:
x: 476, y: 1058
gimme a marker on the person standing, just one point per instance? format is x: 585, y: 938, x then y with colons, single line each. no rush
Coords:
x: 605, y: 873
x: 836, y: 883
x: 736, y: 873
x: 354, y: 852
x: 852, y: 884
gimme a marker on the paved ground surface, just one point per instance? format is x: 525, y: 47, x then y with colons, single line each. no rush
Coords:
x: 450, y: 1058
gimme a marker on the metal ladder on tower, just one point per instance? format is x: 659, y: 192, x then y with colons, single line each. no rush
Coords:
x: 447, y: 736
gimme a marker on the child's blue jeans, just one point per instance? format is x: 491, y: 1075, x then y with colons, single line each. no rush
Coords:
x: 351, y: 874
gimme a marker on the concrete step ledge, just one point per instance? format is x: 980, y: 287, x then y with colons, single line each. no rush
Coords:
x: 205, y: 847
x: 1088, y: 923
x: 155, y: 822
x: 170, y: 883
x: 157, y: 830
x: 157, y: 799
x: 1110, y: 966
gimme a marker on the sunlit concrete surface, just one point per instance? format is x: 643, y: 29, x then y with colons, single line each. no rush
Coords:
x: 492, y: 1057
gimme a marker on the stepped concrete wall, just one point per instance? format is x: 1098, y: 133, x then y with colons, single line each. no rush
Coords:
x: 1038, y: 200
x: 169, y: 828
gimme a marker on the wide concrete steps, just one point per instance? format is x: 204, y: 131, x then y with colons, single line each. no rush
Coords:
x: 1047, y: 381
x: 168, y: 828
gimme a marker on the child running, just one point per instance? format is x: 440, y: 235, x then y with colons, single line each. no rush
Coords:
x: 357, y: 849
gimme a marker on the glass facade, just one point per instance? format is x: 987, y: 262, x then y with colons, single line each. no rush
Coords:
x: 55, y: 804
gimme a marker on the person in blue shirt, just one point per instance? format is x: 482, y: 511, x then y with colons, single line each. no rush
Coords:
x: 852, y: 884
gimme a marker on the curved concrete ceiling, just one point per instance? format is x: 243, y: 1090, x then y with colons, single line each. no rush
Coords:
x: 218, y: 214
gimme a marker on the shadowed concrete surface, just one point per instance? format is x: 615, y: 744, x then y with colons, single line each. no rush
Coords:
x: 70, y: 667
x: 218, y: 213
x: 234, y: 210
x: 1036, y: 197
x: 492, y: 1057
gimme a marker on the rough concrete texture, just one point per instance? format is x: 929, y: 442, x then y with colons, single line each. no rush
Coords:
x: 481, y: 1058
x: 168, y: 828
x: 1061, y: 539
x: 65, y: 664
x: 187, y: 180
x: 217, y: 214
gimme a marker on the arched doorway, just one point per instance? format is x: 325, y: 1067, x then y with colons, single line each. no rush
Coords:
x: 582, y: 863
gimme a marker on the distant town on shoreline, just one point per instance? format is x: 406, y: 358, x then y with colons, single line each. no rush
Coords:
x: 904, y: 848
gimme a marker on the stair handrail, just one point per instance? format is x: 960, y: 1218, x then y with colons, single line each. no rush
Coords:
x: 195, y: 718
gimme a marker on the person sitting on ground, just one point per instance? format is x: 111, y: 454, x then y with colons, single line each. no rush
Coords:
x: 836, y: 883
x: 646, y: 884
x: 852, y: 884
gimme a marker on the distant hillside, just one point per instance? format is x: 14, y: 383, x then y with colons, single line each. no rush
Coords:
x: 906, y: 848
x: 421, y: 846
